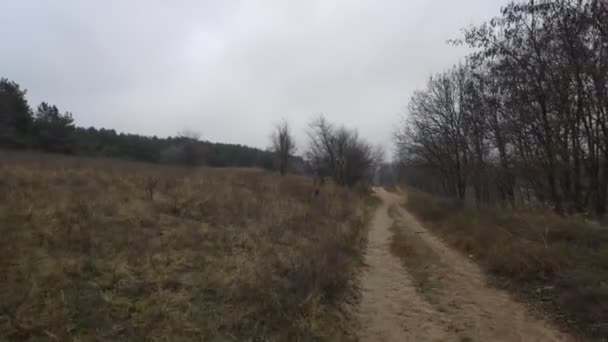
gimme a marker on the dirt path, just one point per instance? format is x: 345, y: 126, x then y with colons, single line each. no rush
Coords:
x: 439, y: 296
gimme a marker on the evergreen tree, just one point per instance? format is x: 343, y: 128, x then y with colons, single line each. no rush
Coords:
x: 15, y: 115
x: 53, y: 130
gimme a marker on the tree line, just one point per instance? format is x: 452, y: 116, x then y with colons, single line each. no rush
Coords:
x: 524, y: 117
x: 47, y: 129
x: 334, y: 152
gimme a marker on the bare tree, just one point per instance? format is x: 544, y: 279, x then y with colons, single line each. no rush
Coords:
x: 437, y: 129
x: 526, y: 117
x: 283, y: 145
x: 192, y: 152
x: 320, y: 155
x: 189, y: 134
x: 340, y: 153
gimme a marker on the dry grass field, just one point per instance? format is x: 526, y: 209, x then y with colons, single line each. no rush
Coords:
x: 558, y: 265
x: 106, y: 250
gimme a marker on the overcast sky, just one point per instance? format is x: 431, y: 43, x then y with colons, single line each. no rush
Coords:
x: 230, y: 69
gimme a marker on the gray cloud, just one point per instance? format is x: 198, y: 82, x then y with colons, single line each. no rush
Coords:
x: 229, y: 69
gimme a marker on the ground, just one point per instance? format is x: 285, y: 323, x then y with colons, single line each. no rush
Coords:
x: 425, y: 291
x: 96, y: 249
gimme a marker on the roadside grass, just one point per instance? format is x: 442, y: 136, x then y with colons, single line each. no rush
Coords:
x: 100, y: 249
x: 558, y: 265
x: 419, y: 259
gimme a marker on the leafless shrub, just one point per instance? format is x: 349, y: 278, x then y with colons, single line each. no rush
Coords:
x: 150, y: 187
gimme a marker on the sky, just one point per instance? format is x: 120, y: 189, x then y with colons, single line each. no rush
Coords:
x: 228, y: 69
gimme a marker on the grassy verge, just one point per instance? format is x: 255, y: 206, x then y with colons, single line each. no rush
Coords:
x: 111, y: 250
x: 557, y: 265
x: 419, y: 259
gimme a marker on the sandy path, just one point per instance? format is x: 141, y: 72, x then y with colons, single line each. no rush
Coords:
x: 458, y: 306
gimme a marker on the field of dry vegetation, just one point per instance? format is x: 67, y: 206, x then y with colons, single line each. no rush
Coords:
x: 558, y: 265
x: 112, y: 250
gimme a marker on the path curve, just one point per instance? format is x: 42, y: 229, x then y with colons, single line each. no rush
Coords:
x: 460, y: 308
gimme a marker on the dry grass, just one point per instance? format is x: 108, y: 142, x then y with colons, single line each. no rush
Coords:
x: 558, y: 265
x: 418, y: 257
x: 110, y: 250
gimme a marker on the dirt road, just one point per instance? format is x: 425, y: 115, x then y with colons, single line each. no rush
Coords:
x: 437, y: 294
